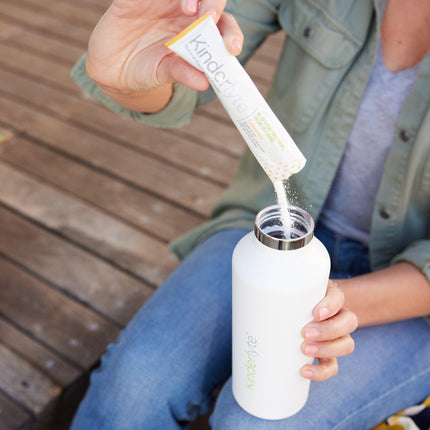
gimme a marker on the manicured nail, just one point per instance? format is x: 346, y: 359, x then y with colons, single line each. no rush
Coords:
x: 323, y: 313
x: 311, y: 333
x: 310, y: 349
x: 307, y: 373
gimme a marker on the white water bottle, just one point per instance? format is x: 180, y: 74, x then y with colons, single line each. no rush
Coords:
x: 276, y: 284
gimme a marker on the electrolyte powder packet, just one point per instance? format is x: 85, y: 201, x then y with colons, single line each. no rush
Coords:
x: 202, y: 45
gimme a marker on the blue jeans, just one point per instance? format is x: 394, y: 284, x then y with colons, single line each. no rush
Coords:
x: 163, y: 369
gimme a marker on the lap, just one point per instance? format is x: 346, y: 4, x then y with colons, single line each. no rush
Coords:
x: 177, y: 348
x: 388, y: 371
x: 174, y: 352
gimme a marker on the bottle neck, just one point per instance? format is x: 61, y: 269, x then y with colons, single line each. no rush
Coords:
x: 268, y: 228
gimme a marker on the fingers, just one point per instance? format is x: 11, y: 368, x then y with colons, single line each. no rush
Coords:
x: 335, y: 348
x: 231, y: 33
x: 214, y: 7
x: 345, y: 322
x: 327, y: 368
x: 330, y: 304
x: 328, y: 336
x: 189, y: 7
x: 227, y: 25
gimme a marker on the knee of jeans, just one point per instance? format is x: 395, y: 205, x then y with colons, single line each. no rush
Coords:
x: 131, y: 381
x: 143, y: 381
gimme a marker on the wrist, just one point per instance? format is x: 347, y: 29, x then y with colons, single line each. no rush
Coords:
x: 396, y: 293
x: 145, y: 102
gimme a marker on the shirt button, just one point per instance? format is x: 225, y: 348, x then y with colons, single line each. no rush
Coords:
x: 307, y: 32
x: 404, y: 135
x: 384, y: 213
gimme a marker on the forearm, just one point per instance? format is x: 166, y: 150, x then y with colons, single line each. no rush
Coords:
x: 149, y: 102
x: 396, y: 293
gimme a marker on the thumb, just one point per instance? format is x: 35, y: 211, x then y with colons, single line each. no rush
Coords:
x: 174, y: 69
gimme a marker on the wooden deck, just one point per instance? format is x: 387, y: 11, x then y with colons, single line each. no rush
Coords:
x: 88, y: 203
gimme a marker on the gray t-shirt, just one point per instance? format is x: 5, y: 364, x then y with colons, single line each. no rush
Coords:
x: 349, y: 206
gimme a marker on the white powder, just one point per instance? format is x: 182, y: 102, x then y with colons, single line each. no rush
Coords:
x: 281, y: 194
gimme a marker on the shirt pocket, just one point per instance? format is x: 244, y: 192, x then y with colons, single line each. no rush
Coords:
x: 317, y: 52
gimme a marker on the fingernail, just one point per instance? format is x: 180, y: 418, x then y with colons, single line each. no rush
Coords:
x: 323, y: 313
x: 310, y: 349
x: 191, y: 6
x: 311, y: 333
x: 307, y: 373
x: 237, y: 44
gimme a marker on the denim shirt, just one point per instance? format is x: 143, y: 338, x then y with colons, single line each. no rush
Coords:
x: 322, y: 73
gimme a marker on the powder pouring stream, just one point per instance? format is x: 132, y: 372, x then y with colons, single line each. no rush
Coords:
x: 202, y: 46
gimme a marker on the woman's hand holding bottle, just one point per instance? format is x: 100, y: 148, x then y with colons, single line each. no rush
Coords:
x: 328, y: 336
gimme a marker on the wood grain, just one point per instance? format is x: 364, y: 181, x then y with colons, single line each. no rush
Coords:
x: 104, y: 235
x: 146, y: 172
x: 149, y: 213
x: 13, y: 416
x: 53, y: 318
x: 24, y: 383
x: 72, y: 270
x: 47, y: 361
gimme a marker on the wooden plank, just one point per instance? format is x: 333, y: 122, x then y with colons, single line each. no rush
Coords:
x: 25, y: 384
x: 52, y: 318
x: 71, y: 269
x: 39, y: 44
x: 47, y: 23
x: 13, y: 416
x: 96, y: 5
x: 270, y: 49
x: 159, y: 218
x: 33, y: 65
x: 5, y: 135
x: 179, y: 151
x: 107, y: 237
x: 46, y: 361
x: 8, y: 30
x: 215, y: 109
x: 151, y: 174
x: 65, y: 12
x: 260, y: 79
x: 262, y: 73
x: 198, y: 131
x: 184, y: 147
x: 191, y: 148
x: 220, y: 135
x: 44, y: 24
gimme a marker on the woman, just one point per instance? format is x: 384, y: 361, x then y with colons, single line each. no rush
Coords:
x: 353, y: 89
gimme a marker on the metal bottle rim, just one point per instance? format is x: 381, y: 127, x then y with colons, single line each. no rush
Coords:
x: 303, y: 228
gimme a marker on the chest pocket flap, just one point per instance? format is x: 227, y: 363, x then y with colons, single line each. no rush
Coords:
x: 317, y: 53
x: 318, y: 33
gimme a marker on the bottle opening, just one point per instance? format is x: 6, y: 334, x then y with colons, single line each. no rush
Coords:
x: 269, y: 230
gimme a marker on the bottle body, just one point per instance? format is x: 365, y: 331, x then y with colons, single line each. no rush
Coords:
x: 274, y: 293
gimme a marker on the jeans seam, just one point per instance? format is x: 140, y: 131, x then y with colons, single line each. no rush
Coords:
x: 381, y: 397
